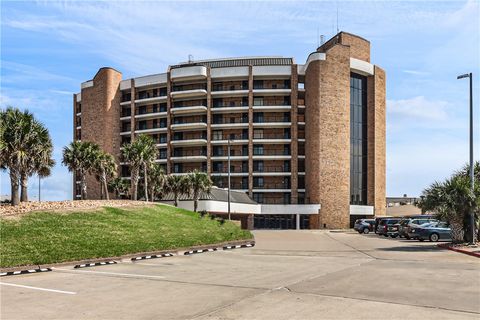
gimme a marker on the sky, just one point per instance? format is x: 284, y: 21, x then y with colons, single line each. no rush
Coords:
x: 49, y: 48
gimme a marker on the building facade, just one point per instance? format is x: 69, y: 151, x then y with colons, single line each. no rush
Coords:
x: 310, y: 133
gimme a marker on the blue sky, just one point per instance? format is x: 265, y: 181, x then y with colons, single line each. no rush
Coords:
x: 48, y: 48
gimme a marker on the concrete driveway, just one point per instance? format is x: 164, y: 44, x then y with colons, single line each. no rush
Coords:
x: 287, y: 275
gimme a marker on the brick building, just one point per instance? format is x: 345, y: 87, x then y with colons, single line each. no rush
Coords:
x: 300, y: 134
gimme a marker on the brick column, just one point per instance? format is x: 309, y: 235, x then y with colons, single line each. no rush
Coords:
x: 376, y: 141
x: 209, y: 121
x: 169, y: 122
x: 250, y: 131
x: 294, y: 135
x: 132, y: 109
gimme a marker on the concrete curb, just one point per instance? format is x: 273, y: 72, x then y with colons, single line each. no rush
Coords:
x: 14, y: 273
x: 448, y: 247
x: 154, y: 256
x: 85, y: 265
x: 131, y: 256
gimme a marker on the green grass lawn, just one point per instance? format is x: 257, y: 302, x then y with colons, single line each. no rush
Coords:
x: 48, y: 237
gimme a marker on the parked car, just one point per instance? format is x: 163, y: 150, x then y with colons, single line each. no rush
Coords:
x: 364, y: 225
x: 377, y: 222
x: 432, y: 231
x: 409, y: 222
x: 386, y: 227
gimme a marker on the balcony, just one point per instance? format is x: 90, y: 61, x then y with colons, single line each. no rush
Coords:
x: 271, y: 138
x: 272, y: 187
x: 272, y: 171
x: 234, y: 140
x: 177, y: 110
x: 189, y: 155
x: 189, y: 91
x: 152, y: 129
x: 271, y: 154
x: 230, y: 122
x: 151, y: 98
x: 228, y: 92
x: 272, y: 122
x: 260, y: 89
x: 125, y: 115
x: 189, y: 140
x: 188, y: 73
x: 193, y: 124
x: 229, y: 108
x: 237, y: 171
x: 151, y: 115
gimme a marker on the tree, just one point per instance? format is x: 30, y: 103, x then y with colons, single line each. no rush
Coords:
x: 80, y: 157
x: 197, y: 183
x: 118, y: 186
x: 25, y: 149
x: 452, y: 201
x: 38, y: 158
x: 156, y: 181
x: 177, y: 186
x: 139, y: 154
x: 105, y: 168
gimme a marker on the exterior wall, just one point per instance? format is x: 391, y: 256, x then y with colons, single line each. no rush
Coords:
x: 327, y: 136
x: 100, y: 118
x: 324, y: 156
x: 376, y: 136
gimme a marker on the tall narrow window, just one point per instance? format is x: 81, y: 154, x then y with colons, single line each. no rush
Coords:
x: 358, y: 139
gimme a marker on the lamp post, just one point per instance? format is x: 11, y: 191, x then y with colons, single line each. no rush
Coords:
x: 228, y: 195
x: 39, y: 188
x: 472, y: 181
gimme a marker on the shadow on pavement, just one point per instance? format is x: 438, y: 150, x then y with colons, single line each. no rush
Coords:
x: 411, y: 248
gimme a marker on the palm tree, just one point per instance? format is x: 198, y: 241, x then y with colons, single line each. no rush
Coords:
x: 118, y: 186
x: 80, y: 157
x: 39, y: 156
x: 197, y: 183
x: 452, y: 201
x: 139, y: 154
x: 177, y: 186
x: 25, y: 147
x: 105, y: 168
x: 156, y: 181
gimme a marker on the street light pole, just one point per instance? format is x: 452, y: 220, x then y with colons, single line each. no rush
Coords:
x: 229, y: 218
x: 39, y: 188
x: 472, y: 180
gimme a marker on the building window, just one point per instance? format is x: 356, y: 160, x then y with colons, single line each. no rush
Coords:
x: 257, y: 149
x: 258, y: 197
x: 258, y: 182
x: 358, y: 139
x: 257, y: 84
x: 217, y: 135
x: 258, y: 101
x: 258, y: 134
x: 258, y: 166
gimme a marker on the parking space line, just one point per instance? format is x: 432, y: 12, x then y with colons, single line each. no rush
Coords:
x: 36, y: 288
x: 132, y: 275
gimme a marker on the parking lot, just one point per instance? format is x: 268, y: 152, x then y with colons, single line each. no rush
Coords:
x: 287, y: 275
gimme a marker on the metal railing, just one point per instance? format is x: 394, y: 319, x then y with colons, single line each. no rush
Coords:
x: 271, y: 169
x: 270, y: 119
x: 189, y: 153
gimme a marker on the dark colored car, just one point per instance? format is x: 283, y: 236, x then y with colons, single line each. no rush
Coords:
x: 387, y: 227
x: 432, y: 231
x: 364, y: 225
x: 377, y: 222
x: 408, y: 222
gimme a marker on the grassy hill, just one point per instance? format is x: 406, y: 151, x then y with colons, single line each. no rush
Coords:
x: 50, y: 237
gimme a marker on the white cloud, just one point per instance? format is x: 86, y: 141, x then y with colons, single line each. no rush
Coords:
x: 418, y: 108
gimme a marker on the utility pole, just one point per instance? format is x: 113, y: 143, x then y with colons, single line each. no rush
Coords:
x: 39, y: 188
x: 228, y: 163
x: 472, y: 179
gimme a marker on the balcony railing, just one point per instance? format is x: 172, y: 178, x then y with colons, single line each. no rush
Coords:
x: 271, y: 136
x: 229, y: 120
x: 154, y: 126
x: 126, y: 113
x: 233, y: 170
x: 272, y: 186
x: 271, y: 152
x: 189, y: 87
x: 233, y: 153
x: 229, y: 88
x: 189, y: 153
x: 270, y: 119
x: 272, y: 169
x: 230, y: 106
x: 230, y: 137
x: 189, y: 137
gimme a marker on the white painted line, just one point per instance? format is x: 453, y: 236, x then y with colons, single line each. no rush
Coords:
x: 36, y: 288
x: 112, y: 273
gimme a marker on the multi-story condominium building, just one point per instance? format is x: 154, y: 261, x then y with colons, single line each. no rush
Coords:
x: 300, y: 134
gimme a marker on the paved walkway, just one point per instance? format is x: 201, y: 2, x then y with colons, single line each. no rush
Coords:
x: 287, y: 275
